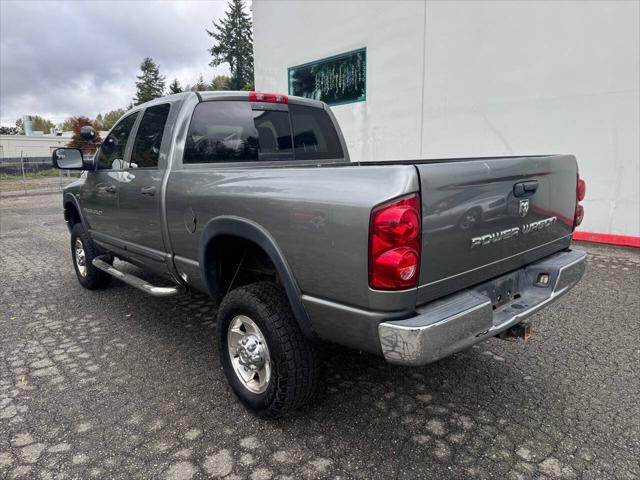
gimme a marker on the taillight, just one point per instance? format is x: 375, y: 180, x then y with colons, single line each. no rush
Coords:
x: 394, y: 244
x: 581, y: 190
x: 579, y: 214
x: 267, y: 97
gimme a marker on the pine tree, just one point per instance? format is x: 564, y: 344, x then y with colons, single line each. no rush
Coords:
x: 174, y: 87
x: 201, y: 85
x: 38, y: 124
x: 76, y: 139
x: 221, y: 82
x: 110, y: 118
x: 150, y: 83
x: 233, y: 44
x: 67, y: 125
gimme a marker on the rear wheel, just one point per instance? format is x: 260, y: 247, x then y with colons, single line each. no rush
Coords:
x: 83, y: 251
x: 270, y: 365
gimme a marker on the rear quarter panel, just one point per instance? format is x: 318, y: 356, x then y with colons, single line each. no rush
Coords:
x: 318, y: 217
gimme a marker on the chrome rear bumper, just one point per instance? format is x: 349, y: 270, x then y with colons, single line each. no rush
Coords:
x: 460, y: 320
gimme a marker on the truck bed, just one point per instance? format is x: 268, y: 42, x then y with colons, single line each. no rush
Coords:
x: 473, y: 198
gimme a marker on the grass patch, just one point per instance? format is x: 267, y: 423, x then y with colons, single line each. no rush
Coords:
x: 50, y: 172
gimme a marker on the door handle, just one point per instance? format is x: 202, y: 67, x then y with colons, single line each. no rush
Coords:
x: 151, y: 191
x: 110, y: 189
x: 525, y: 189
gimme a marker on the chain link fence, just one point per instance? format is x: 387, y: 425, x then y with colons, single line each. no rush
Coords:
x: 31, y: 176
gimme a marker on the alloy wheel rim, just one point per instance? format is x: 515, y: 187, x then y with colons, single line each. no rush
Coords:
x: 80, y: 258
x: 249, y: 354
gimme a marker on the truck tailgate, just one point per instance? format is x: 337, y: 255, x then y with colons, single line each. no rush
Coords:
x: 484, y: 217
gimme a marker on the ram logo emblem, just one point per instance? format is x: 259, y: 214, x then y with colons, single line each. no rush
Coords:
x: 524, y: 208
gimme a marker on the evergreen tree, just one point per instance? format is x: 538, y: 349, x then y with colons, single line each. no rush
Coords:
x: 110, y: 118
x: 67, y: 125
x: 76, y: 139
x: 42, y: 124
x: 233, y: 44
x: 174, y: 87
x: 150, y: 83
x: 201, y: 86
x: 221, y: 82
x: 38, y: 124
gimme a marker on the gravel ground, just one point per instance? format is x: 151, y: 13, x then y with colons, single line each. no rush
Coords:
x: 115, y: 384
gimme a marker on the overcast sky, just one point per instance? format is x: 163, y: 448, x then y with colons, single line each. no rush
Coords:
x: 69, y: 58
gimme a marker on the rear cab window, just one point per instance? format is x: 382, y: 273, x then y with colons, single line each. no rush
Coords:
x: 240, y: 131
x: 314, y: 135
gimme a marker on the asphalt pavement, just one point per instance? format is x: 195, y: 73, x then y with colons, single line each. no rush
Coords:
x: 116, y: 384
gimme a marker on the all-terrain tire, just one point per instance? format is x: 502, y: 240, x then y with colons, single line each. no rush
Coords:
x: 293, y: 358
x: 90, y: 277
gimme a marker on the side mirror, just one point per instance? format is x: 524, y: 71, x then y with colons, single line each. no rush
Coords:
x: 88, y: 133
x: 69, y: 159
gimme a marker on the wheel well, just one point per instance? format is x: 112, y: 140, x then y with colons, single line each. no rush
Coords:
x: 234, y: 261
x: 71, y: 214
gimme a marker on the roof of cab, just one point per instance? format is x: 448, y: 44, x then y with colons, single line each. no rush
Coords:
x: 219, y: 95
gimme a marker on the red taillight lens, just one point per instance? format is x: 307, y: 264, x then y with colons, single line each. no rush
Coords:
x: 579, y: 215
x: 581, y: 190
x: 394, y: 244
x: 267, y: 97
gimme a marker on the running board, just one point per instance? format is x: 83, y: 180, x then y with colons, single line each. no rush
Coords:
x: 136, y: 282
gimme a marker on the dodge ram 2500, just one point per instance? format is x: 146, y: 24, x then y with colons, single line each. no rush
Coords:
x: 251, y: 198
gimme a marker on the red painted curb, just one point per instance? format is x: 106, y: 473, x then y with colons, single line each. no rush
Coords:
x: 625, y: 240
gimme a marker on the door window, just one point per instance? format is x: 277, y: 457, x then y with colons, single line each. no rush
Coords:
x: 146, y: 147
x: 112, y: 150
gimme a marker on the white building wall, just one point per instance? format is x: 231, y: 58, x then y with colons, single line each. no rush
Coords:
x: 16, y: 146
x: 454, y: 79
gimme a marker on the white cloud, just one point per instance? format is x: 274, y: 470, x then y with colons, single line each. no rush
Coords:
x: 70, y: 58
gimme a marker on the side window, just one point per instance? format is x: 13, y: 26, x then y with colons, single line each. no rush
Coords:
x: 314, y: 135
x: 111, y: 155
x: 221, y: 132
x: 146, y: 147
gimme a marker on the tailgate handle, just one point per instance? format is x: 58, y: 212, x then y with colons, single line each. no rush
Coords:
x: 525, y: 189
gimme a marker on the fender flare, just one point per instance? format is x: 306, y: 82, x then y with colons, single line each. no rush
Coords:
x: 69, y: 198
x: 249, y: 230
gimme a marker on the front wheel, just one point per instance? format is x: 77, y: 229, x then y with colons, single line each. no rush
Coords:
x: 83, y: 251
x: 270, y: 365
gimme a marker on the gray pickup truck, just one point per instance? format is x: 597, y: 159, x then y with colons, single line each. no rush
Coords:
x: 251, y: 198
